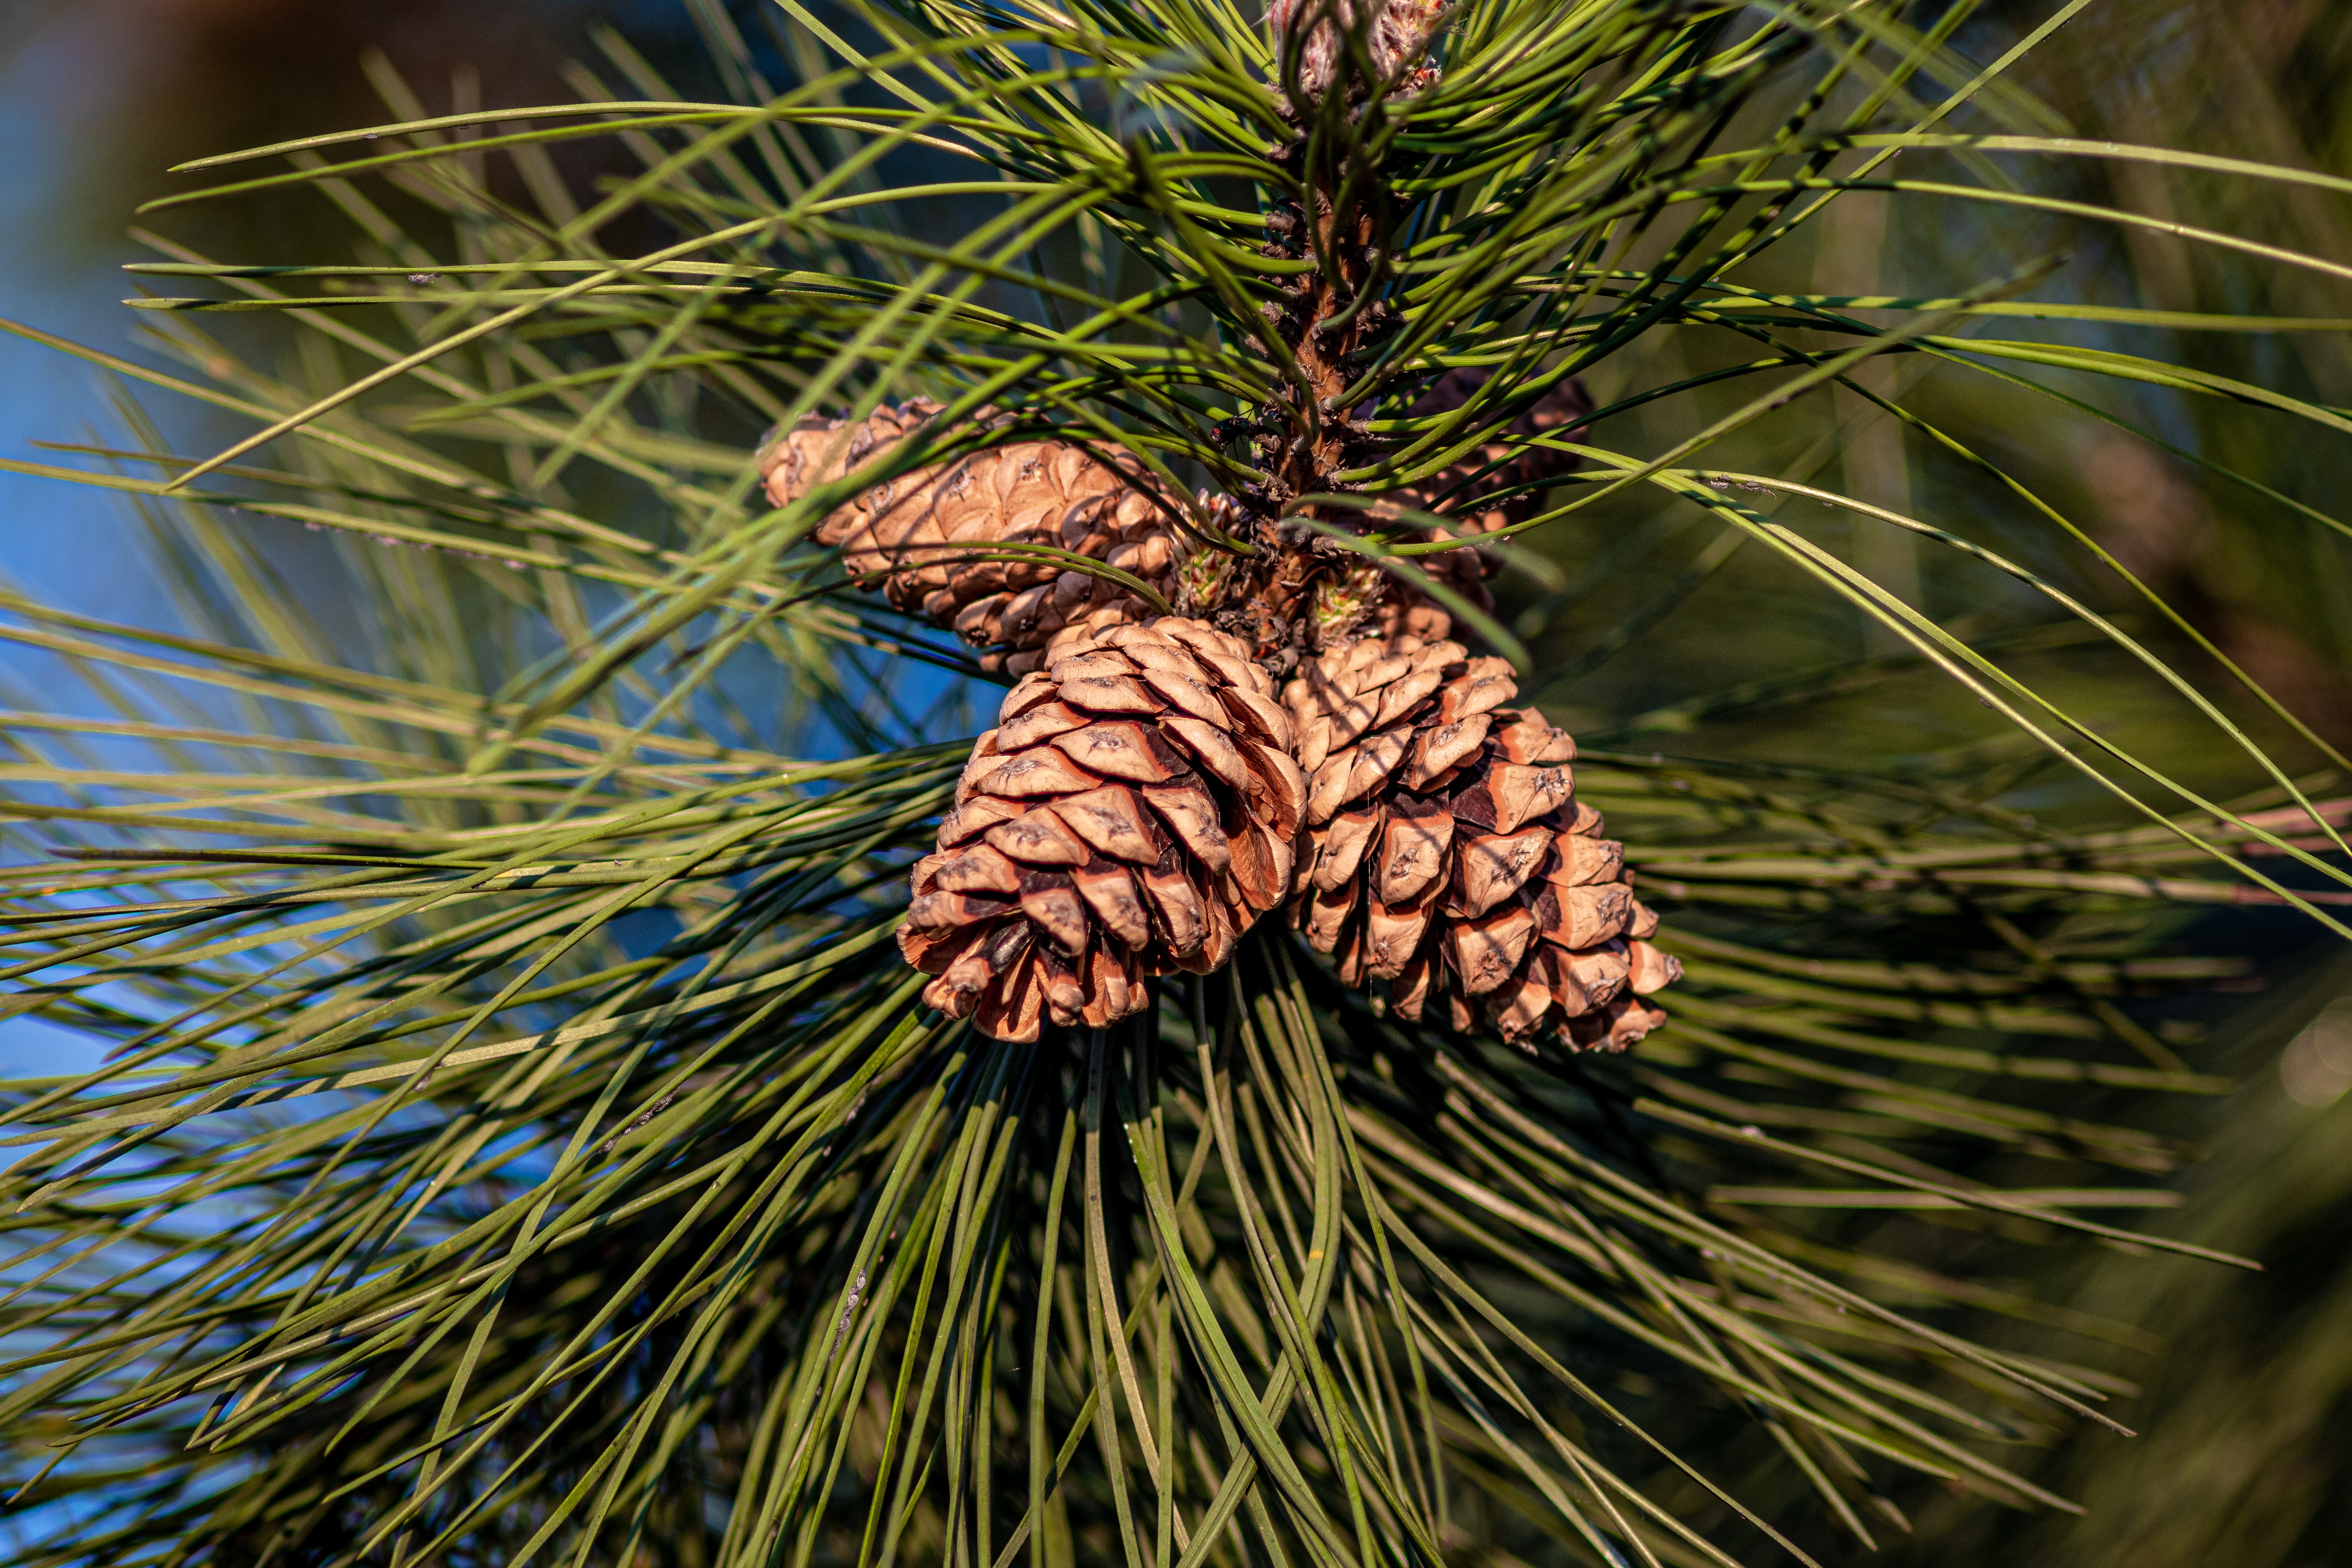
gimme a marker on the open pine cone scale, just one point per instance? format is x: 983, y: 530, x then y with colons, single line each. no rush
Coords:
x: 1448, y: 857
x: 1134, y: 812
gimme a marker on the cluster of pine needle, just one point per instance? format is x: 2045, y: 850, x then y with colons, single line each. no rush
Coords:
x: 520, y: 1137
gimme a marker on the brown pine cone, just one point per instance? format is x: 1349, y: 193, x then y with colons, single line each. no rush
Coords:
x: 1449, y: 856
x: 915, y: 536
x: 1133, y: 814
x: 1395, y: 41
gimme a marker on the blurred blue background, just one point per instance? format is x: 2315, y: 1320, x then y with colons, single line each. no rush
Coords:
x: 97, y: 100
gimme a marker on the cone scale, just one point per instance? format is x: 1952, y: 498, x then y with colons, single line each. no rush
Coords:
x: 928, y: 538
x: 1134, y: 812
x: 1448, y: 857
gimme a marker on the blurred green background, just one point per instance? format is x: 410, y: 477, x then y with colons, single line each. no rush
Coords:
x: 2245, y: 1381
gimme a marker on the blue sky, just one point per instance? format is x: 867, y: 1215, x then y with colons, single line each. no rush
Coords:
x: 58, y: 542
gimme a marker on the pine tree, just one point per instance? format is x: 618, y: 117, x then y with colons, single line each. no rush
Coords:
x: 581, y: 1087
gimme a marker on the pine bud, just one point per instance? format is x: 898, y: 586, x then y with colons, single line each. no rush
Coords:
x: 1133, y: 813
x: 1396, y: 38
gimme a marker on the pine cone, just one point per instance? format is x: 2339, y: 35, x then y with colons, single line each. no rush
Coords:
x: 1133, y: 814
x: 1449, y: 856
x: 1335, y: 603
x: 915, y: 535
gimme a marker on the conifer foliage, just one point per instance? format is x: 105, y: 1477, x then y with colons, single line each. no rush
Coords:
x: 540, y: 1123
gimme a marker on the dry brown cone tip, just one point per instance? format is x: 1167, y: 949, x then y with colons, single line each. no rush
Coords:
x: 1133, y: 813
x: 922, y: 537
x: 1448, y: 856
